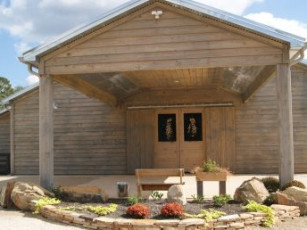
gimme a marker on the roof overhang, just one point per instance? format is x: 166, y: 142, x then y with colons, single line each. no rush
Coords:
x: 20, y: 93
x: 295, y: 43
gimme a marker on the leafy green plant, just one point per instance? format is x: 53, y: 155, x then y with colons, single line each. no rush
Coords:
x: 43, y: 202
x: 253, y: 206
x: 221, y: 200
x: 102, y: 210
x: 271, y: 183
x: 198, y: 198
x: 208, y: 215
x: 210, y: 166
x: 156, y: 195
x: 295, y: 183
x: 134, y: 200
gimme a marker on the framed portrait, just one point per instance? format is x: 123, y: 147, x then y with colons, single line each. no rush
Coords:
x: 193, y: 127
x: 167, y: 127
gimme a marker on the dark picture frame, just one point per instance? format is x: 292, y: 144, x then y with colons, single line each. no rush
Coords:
x: 167, y: 127
x: 193, y: 130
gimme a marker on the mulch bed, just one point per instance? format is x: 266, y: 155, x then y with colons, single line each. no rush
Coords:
x: 155, y: 207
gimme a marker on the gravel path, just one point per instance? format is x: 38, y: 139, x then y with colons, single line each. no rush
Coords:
x: 15, y: 220
x: 296, y: 224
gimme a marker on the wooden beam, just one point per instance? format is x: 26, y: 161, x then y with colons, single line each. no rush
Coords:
x: 12, y: 138
x: 87, y: 88
x: 260, y: 80
x: 284, y: 100
x: 46, y: 139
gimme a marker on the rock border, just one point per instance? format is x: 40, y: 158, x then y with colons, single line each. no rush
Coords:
x: 230, y: 222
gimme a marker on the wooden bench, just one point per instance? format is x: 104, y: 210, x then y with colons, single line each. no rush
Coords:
x: 142, y: 174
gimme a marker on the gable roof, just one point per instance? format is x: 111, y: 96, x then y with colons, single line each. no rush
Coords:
x: 295, y: 42
x: 20, y: 93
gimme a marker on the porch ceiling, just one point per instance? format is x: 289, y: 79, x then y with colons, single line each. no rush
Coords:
x: 242, y: 81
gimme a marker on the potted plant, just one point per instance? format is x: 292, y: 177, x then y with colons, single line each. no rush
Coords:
x: 211, y: 171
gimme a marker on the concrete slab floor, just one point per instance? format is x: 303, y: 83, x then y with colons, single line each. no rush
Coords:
x: 109, y: 183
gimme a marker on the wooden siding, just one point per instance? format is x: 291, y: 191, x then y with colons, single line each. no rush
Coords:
x: 89, y: 136
x: 257, y: 142
x: 5, y: 133
x: 140, y: 136
x: 220, y: 135
x: 26, y: 136
x: 175, y: 41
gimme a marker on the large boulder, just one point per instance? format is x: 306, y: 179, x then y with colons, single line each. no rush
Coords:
x: 5, y: 195
x: 24, y: 194
x: 176, y: 194
x: 293, y: 196
x: 252, y: 189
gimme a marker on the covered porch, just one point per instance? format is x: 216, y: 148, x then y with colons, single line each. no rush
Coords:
x: 180, y: 63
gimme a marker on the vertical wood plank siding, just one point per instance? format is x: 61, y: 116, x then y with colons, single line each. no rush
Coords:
x: 89, y: 136
x: 5, y: 133
x: 257, y: 142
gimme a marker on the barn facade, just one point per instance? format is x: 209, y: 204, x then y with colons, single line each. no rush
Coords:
x: 183, y: 79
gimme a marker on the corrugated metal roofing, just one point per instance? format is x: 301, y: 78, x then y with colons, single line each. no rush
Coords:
x: 295, y: 41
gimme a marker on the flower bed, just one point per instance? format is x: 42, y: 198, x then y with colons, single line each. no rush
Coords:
x: 234, y: 221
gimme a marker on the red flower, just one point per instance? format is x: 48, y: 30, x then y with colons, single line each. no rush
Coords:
x: 172, y: 210
x: 138, y: 211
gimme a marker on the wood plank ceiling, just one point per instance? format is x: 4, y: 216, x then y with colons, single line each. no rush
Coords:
x: 237, y: 80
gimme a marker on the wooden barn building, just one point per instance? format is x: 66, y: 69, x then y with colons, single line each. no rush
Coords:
x: 163, y: 84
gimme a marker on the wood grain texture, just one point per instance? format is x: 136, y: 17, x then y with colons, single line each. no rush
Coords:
x: 140, y: 136
x: 220, y: 136
x: 5, y: 133
x: 89, y: 136
x: 257, y: 141
x: 175, y: 41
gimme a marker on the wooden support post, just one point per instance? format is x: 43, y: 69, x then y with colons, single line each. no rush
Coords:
x: 222, y: 187
x: 284, y: 100
x: 200, y: 190
x: 12, y: 139
x: 46, y: 144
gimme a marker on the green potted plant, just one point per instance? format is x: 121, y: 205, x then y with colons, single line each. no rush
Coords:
x: 211, y: 171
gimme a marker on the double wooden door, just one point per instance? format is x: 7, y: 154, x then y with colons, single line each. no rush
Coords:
x: 179, y: 138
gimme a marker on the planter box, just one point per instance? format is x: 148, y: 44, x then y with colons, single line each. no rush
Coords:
x: 211, y: 176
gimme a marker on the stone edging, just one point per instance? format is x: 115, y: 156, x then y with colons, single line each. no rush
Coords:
x: 231, y: 222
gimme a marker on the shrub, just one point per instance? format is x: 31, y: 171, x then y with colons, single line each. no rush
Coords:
x: 271, y: 199
x: 134, y: 200
x: 208, y: 215
x: 43, y: 202
x: 253, y: 206
x: 271, y: 183
x: 138, y: 211
x: 59, y: 194
x: 212, y: 166
x: 172, y: 210
x: 295, y: 183
x: 102, y: 210
x: 198, y: 198
x: 156, y: 195
x: 221, y: 200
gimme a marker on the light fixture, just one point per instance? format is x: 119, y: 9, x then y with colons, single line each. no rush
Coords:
x: 157, y: 13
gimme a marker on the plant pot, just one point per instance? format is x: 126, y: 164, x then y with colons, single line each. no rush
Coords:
x: 211, y: 176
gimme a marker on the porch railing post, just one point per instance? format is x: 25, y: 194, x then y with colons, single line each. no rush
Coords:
x: 46, y: 143
x: 284, y: 101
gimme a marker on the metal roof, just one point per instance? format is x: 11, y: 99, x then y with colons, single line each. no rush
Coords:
x: 296, y: 42
x: 20, y: 93
x: 3, y: 111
